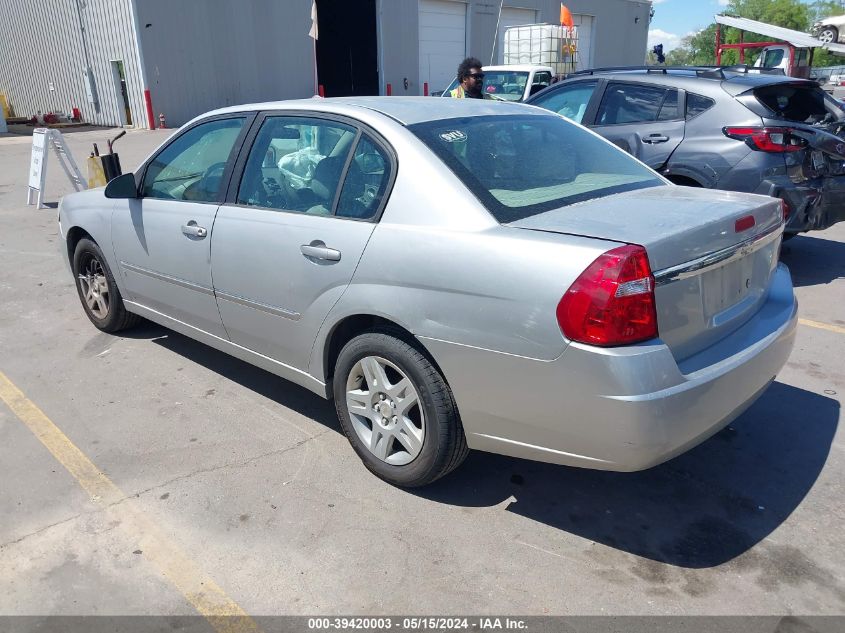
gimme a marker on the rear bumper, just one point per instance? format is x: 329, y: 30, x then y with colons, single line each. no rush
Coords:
x: 815, y: 204
x: 621, y: 409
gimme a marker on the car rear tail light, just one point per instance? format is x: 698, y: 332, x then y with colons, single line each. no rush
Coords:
x: 786, y: 209
x: 612, y: 301
x: 766, y: 139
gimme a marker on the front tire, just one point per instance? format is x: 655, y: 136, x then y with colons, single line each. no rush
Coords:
x: 98, y: 291
x: 829, y: 35
x: 397, y: 410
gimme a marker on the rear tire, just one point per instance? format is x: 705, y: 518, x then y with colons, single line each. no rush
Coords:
x: 98, y: 291
x: 397, y: 410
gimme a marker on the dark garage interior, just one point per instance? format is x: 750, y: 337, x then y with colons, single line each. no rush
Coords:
x: 347, y: 48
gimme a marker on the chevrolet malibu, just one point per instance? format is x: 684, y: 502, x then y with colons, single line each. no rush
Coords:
x: 454, y: 274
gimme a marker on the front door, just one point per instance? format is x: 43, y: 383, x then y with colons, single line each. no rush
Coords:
x: 286, y: 245
x: 645, y: 121
x: 161, y: 239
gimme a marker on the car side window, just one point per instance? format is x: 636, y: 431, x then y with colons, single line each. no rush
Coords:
x: 366, y: 181
x: 696, y: 104
x: 192, y: 166
x: 669, y: 111
x: 570, y: 101
x: 630, y: 103
x: 295, y: 164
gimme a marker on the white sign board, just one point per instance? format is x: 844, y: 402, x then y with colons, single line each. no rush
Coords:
x: 36, y: 163
x: 42, y: 139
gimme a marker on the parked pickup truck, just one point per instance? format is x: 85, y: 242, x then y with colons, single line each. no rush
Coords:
x: 514, y: 82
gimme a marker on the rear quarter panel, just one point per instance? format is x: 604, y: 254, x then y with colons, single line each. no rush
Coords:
x: 706, y: 155
x: 439, y: 265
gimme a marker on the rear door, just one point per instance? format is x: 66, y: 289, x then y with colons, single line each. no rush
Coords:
x: 295, y: 224
x: 647, y: 121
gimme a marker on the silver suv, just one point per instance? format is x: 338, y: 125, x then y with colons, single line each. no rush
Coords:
x: 722, y: 128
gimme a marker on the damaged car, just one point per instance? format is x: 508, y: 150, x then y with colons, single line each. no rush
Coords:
x: 722, y: 128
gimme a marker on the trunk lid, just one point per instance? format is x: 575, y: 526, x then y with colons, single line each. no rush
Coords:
x: 710, y: 276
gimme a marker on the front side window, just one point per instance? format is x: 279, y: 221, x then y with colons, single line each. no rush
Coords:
x: 295, y: 164
x: 192, y: 166
x: 630, y: 103
x: 570, y: 101
x: 522, y: 165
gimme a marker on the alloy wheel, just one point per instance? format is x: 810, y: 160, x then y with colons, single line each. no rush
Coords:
x: 95, y: 287
x: 385, y: 410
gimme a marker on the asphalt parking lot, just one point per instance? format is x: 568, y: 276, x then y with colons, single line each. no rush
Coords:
x: 148, y: 474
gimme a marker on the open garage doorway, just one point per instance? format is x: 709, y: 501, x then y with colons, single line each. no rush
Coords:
x: 347, y: 48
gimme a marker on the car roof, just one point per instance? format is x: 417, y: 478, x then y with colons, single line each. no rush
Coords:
x: 734, y: 82
x: 517, y: 67
x: 405, y: 110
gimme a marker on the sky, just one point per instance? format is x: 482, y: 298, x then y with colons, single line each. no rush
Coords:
x: 675, y: 19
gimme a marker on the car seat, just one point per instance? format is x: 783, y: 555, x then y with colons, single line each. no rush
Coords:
x: 324, y: 184
x: 351, y: 204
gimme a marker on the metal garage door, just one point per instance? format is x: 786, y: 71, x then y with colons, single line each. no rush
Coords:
x: 442, y: 41
x: 584, y: 23
x: 511, y: 17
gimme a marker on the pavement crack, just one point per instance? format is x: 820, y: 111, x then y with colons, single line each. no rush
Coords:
x: 237, y: 464
x: 44, y: 529
x: 203, y: 471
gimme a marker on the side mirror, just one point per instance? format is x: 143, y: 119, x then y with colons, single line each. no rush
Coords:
x: 122, y: 187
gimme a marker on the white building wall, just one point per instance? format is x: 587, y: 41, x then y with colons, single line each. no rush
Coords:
x: 43, y: 53
x: 208, y: 54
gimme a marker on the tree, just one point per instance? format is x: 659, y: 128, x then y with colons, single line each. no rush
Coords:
x: 699, y: 48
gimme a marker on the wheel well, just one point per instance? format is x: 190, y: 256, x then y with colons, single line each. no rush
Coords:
x: 352, y: 326
x: 74, y: 235
x: 684, y: 181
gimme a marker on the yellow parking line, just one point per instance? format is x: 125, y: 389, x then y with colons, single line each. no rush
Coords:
x: 822, y: 326
x: 206, y: 596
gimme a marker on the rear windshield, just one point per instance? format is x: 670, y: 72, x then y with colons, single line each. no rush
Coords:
x: 522, y: 165
x: 802, y: 103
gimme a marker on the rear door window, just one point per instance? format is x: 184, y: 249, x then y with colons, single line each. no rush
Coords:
x: 670, y: 111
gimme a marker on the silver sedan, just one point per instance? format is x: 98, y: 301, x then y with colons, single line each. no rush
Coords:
x: 454, y: 274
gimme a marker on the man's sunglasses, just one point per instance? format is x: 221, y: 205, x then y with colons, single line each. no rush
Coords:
x: 478, y: 76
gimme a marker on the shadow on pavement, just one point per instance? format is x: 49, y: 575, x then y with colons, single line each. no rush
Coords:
x: 698, y: 510
x: 813, y: 260
x: 263, y: 382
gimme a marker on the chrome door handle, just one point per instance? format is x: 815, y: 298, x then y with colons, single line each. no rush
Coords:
x: 193, y: 230
x: 320, y: 251
x: 655, y: 138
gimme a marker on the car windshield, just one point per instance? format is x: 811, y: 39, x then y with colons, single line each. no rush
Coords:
x: 505, y: 84
x: 522, y: 165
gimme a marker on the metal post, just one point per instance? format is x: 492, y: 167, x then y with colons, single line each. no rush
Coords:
x: 718, y: 44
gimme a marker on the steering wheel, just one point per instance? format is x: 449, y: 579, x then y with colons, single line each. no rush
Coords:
x: 214, y: 170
